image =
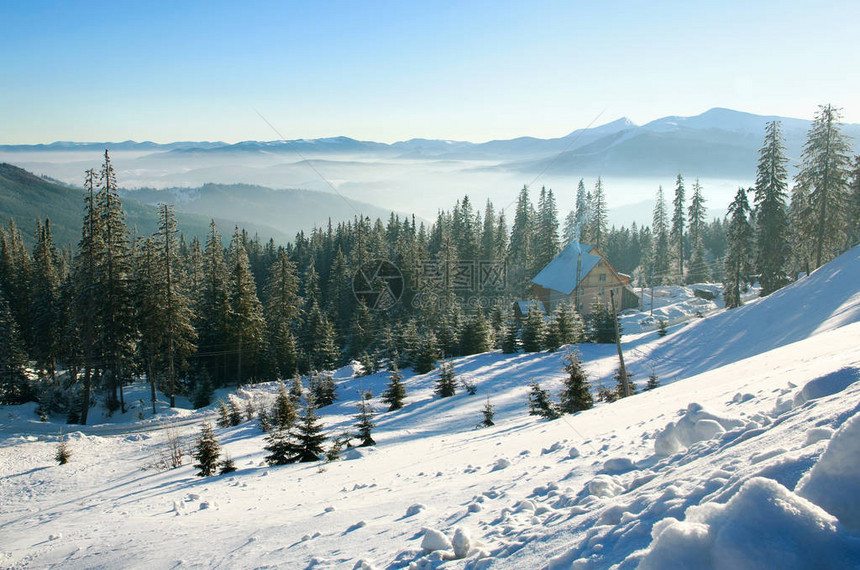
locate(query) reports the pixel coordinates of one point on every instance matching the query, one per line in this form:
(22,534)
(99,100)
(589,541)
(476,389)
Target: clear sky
(387,71)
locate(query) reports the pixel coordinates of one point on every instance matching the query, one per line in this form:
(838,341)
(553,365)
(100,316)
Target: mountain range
(720,147)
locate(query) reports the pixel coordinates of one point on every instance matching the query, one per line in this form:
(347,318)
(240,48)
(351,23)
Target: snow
(834,482)
(746,456)
(560,274)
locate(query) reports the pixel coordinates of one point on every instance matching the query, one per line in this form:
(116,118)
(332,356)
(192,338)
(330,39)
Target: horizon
(387,72)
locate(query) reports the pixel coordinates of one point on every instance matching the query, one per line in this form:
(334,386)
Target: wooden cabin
(581,276)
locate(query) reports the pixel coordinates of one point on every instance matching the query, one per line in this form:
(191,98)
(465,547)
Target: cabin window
(602,278)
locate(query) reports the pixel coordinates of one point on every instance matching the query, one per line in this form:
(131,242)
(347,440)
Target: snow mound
(697,425)
(413,510)
(827,385)
(834,482)
(435,540)
(817,434)
(763,526)
(462,542)
(604,486)
(618,465)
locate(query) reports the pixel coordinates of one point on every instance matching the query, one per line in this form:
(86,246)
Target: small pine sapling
(446,385)
(395,392)
(206,452)
(619,383)
(364,422)
(63,453)
(235,413)
(470,387)
(250,412)
(296,390)
(653,381)
(540,404)
(604,394)
(489,412)
(223,415)
(661,328)
(227,465)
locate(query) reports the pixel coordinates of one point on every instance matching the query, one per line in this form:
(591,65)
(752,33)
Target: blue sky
(387,71)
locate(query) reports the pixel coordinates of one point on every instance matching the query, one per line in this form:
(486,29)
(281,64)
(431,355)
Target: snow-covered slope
(748,460)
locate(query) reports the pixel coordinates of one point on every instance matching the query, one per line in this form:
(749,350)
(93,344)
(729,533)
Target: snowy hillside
(747,457)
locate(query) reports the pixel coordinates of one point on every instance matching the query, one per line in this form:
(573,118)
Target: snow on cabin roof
(560,274)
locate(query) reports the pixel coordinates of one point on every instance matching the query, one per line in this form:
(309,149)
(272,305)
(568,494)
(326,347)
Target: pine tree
(540,404)
(395,391)
(677,232)
(280,447)
(446,385)
(599,216)
(427,355)
(510,339)
(489,413)
(660,270)
(281,311)
(177,338)
(601,324)
(566,327)
(771,221)
(227,465)
(619,383)
(582,212)
(576,394)
(320,347)
(44,299)
(823,181)
(223,414)
(653,381)
(738,257)
(546,234)
(533,331)
(322,389)
(521,249)
(283,415)
(14,387)
(854,206)
(364,422)
(214,312)
(114,282)
(307,436)
(247,325)
(476,335)
(661,328)
(696,215)
(235,413)
(206,452)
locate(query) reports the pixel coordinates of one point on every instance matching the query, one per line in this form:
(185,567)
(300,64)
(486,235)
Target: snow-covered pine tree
(395,392)
(364,422)
(771,212)
(446,385)
(576,393)
(296,390)
(738,257)
(223,414)
(598,222)
(206,452)
(566,327)
(661,328)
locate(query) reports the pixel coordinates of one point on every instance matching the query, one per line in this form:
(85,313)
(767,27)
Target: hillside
(269,213)
(750,464)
